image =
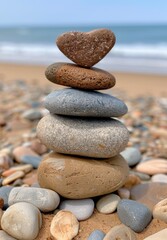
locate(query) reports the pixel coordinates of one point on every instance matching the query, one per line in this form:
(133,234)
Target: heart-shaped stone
(86,49)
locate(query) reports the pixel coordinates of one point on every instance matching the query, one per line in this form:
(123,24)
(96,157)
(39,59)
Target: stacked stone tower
(82,129)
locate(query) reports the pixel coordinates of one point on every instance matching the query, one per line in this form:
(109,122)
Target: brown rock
(86,49)
(64,226)
(5,161)
(78,177)
(25,168)
(1,203)
(83,78)
(160,209)
(131,181)
(120,232)
(149,193)
(153,166)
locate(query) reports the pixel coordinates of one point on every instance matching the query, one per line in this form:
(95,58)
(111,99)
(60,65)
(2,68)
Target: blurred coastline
(138,49)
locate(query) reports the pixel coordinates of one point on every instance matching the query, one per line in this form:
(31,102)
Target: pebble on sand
(96,235)
(44,199)
(82,209)
(64,226)
(22,221)
(160,210)
(108,203)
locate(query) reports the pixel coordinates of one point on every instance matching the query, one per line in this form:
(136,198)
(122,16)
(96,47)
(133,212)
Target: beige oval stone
(77,177)
(13,177)
(88,137)
(161,235)
(160,210)
(25,168)
(107,204)
(153,166)
(64,226)
(77,77)
(120,232)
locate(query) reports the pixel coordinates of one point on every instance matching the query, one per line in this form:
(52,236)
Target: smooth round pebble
(33,160)
(5,236)
(86,48)
(123,193)
(149,193)
(96,235)
(73,102)
(108,203)
(21,151)
(89,137)
(132,155)
(64,226)
(159,178)
(134,215)
(120,232)
(161,235)
(82,209)
(22,221)
(77,177)
(32,114)
(44,199)
(72,75)
(4,194)
(153,166)
(160,210)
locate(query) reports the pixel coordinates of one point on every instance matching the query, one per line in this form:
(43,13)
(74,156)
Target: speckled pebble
(96,235)
(22,221)
(120,232)
(134,215)
(132,155)
(73,102)
(108,203)
(90,137)
(82,209)
(64,226)
(86,48)
(44,199)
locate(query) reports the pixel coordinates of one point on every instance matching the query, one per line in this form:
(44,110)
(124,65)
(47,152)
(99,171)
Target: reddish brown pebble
(77,77)
(131,181)
(18,152)
(1,203)
(86,49)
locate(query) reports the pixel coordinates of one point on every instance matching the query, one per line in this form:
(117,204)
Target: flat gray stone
(30,159)
(134,215)
(90,137)
(82,209)
(131,155)
(32,114)
(73,102)
(96,235)
(44,199)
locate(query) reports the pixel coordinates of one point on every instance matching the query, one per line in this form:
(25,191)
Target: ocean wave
(136,56)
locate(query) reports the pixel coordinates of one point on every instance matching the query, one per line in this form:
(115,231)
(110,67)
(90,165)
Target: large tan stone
(88,137)
(76,177)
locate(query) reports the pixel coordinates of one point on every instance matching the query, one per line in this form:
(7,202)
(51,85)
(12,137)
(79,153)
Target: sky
(82,12)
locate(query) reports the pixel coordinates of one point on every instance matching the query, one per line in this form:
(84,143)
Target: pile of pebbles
(140,197)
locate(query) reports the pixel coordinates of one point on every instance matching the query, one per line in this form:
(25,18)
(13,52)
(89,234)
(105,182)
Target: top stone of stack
(86,49)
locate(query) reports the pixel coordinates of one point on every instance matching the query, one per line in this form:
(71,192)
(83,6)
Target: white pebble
(108,203)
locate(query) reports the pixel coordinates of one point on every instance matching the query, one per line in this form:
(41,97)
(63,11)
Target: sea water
(138,48)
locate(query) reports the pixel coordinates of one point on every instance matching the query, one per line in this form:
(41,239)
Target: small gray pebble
(96,235)
(132,156)
(32,114)
(134,215)
(4,193)
(30,159)
(142,176)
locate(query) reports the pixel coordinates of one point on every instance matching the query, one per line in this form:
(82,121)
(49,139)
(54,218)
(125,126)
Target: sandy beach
(132,84)
(129,85)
